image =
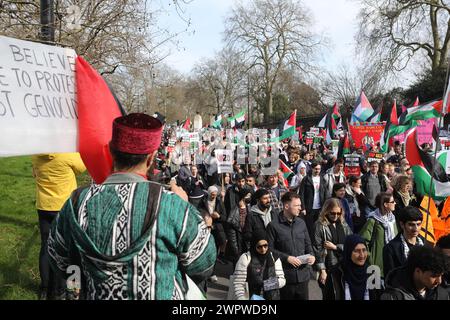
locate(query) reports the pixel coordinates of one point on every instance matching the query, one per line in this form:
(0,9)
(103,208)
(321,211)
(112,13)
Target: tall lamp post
(47,21)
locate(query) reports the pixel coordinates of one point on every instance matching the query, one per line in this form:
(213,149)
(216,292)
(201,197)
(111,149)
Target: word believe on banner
(37,98)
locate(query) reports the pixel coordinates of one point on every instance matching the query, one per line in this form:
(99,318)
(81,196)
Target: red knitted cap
(136,133)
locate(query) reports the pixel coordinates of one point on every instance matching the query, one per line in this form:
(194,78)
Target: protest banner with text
(38,111)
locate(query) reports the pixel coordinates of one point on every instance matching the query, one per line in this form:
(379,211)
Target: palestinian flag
(435,142)
(344,146)
(376,116)
(186,124)
(217,122)
(393,128)
(330,127)
(424,172)
(363,109)
(238,120)
(287,128)
(429,217)
(323,121)
(287,172)
(423,112)
(335,113)
(97,108)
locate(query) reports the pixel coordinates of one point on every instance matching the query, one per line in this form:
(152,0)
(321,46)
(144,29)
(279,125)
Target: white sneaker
(213,278)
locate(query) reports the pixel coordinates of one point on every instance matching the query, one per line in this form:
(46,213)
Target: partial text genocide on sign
(37,98)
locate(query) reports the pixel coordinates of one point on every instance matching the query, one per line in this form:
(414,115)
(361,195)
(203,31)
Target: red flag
(416,103)
(97,108)
(394,117)
(300,133)
(412,151)
(187,124)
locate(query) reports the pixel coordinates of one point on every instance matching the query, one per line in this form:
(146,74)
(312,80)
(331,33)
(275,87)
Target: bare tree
(222,78)
(272,34)
(345,85)
(111,33)
(393,32)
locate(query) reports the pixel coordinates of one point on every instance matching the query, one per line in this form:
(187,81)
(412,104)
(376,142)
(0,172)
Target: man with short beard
(260,215)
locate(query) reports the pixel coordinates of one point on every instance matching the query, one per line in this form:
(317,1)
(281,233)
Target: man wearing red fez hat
(131,238)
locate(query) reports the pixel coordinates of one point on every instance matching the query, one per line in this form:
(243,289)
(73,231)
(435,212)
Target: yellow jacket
(55,178)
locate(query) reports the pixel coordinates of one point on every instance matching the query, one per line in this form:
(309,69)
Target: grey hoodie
(266,217)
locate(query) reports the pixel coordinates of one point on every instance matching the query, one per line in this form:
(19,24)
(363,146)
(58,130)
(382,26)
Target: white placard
(225,160)
(335,144)
(37,98)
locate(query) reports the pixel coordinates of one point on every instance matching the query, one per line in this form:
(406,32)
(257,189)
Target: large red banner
(367,134)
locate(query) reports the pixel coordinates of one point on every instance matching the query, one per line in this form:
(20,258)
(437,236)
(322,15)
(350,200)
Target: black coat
(290,239)
(231,198)
(306,192)
(254,222)
(393,254)
(335,286)
(363,204)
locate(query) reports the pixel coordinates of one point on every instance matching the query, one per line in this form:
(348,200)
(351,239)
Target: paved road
(219,290)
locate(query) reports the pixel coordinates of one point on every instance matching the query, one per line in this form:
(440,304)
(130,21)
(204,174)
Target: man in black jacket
(396,251)
(311,191)
(420,278)
(259,217)
(289,239)
(232,194)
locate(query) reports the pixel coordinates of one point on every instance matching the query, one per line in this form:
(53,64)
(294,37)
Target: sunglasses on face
(334,213)
(262,246)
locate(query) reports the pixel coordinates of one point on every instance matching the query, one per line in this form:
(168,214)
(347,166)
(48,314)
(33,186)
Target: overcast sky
(335,18)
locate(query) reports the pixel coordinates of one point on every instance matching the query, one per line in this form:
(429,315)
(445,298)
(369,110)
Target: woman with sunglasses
(262,270)
(380,228)
(329,235)
(348,281)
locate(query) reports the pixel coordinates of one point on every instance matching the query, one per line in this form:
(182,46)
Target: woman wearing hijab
(380,228)
(261,269)
(349,280)
(212,206)
(329,235)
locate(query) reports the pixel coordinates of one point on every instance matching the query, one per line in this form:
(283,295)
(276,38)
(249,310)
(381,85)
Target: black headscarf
(261,262)
(356,276)
(259,235)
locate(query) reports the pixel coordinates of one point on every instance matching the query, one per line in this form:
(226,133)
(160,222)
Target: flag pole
(435,150)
